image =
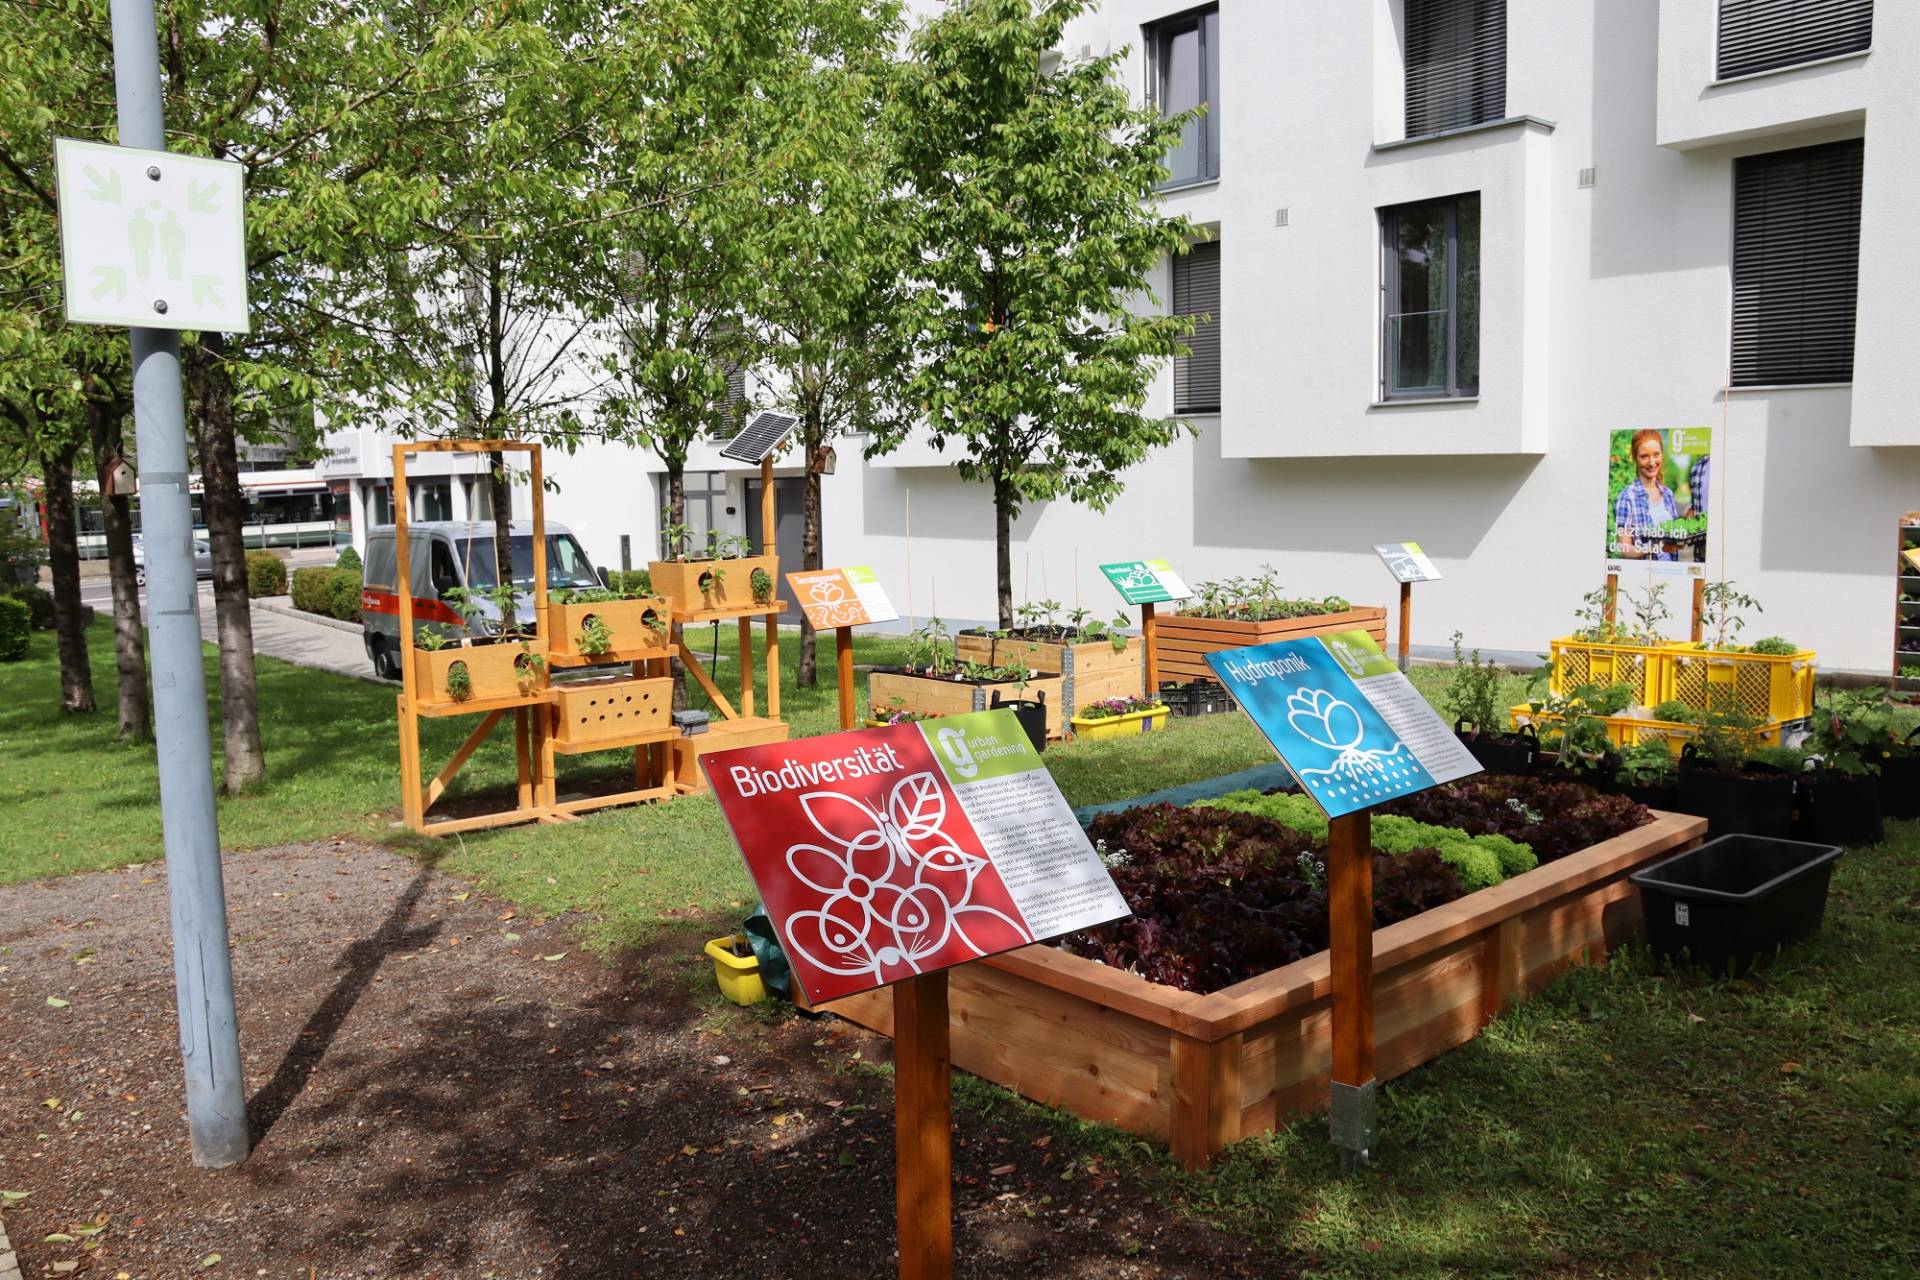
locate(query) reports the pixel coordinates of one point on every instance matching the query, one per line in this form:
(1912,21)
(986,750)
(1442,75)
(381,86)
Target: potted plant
(1647,773)
(1472,699)
(1769,680)
(508,661)
(600,623)
(1737,785)
(1841,803)
(1575,730)
(719,577)
(1119,717)
(736,969)
(1235,612)
(898,714)
(935,682)
(1899,761)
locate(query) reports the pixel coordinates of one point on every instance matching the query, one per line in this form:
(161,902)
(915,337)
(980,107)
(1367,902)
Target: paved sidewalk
(325,643)
(9,1265)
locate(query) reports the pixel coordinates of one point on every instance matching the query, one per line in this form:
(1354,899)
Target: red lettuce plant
(1555,818)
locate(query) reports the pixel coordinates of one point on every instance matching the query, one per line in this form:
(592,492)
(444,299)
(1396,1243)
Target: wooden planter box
(954,697)
(689,585)
(1181,644)
(617,708)
(490,669)
(1199,1072)
(626,619)
(1089,672)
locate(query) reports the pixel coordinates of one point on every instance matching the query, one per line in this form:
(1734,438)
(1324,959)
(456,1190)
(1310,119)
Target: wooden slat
(438,787)
(482,706)
(843,675)
(922,1120)
(705,681)
(746,667)
(1350,955)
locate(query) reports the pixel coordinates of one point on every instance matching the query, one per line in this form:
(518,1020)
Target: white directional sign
(150,238)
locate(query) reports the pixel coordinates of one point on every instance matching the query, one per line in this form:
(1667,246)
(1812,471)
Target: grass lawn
(1622,1123)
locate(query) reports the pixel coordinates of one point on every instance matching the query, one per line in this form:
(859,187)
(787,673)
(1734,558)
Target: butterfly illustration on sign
(1322,719)
(899,894)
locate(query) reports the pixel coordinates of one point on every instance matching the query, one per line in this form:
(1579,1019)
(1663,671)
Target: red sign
(883,853)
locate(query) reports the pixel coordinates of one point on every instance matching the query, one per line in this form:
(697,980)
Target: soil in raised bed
(443,1086)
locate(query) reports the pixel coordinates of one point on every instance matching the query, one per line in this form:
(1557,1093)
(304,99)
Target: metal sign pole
(202,970)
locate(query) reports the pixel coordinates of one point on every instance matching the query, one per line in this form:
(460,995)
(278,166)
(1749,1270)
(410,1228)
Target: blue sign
(1347,724)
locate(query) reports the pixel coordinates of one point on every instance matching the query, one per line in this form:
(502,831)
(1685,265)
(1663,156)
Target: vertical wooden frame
(1350,911)
(843,673)
(1150,655)
(1406,626)
(922,1125)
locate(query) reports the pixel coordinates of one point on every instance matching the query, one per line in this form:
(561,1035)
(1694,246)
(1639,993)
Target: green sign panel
(1146,581)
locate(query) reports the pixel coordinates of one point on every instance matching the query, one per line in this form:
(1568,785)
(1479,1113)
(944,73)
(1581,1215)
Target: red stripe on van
(423,610)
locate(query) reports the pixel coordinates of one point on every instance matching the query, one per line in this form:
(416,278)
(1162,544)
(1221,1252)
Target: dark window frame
(1794,265)
(1154,37)
(1754,37)
(1209,353)
(1390,309)
(1481,83)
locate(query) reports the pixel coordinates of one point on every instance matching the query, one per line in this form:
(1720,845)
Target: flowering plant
(1108,708)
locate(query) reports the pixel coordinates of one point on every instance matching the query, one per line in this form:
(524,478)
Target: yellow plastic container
(738,976)
(1578,662)
(1126,726)
(1627,731)
(1761,686)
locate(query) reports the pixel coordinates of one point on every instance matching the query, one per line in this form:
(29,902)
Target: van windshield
(567,564)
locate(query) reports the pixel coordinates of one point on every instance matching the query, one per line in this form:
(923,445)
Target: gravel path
(441,1088)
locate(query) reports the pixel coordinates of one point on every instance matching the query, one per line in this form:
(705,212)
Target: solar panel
(760,438)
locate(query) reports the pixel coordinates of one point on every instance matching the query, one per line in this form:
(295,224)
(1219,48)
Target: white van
(446,554)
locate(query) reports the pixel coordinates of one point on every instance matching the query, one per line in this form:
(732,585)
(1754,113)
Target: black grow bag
(1511,753)
(1900,781)
(1838,808)
(1753,802)
(1662,795)
(1734,901)
(1030,712)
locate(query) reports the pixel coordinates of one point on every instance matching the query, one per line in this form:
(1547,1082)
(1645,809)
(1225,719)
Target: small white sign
(1406,562)
(150,239)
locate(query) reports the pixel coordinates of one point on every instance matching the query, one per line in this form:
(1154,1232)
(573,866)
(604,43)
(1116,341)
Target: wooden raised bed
(689,586)
(492,671)
(954,697)
(1089,672)
(1199,1072)
(1181,643)
(626,621)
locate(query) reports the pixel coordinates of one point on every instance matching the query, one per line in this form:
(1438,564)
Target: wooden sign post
(838,600)
(1354,733)
(923,1127)
(1408,564)
(1147,583)
(958,826)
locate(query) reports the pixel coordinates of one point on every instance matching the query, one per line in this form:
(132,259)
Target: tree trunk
(210,391)
(676,514)
(500,495)
(810,440)
(63,553)
(129,642)
(1003,548)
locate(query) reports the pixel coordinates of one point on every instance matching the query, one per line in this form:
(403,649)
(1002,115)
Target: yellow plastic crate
(1628,731)
(1578,662)
(1761,686)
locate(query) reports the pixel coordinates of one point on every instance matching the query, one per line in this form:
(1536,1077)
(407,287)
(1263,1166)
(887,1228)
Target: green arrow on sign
(114,278)
(201,196)
(106,187)
(206,289)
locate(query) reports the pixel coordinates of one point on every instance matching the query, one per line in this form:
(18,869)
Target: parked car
(202,559)
(446,554)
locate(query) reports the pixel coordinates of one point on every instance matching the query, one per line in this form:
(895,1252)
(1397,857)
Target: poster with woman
(1659,491)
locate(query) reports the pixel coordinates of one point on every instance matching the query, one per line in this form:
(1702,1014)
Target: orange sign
(841,597)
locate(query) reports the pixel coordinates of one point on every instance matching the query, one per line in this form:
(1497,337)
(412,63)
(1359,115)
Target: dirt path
(438,1090)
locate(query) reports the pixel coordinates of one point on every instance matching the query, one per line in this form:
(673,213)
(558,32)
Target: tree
(1030,196)
(835,247)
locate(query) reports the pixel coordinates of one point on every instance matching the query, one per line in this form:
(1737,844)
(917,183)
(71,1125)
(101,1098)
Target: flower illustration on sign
(897,890)
(833,605)
(1322,719)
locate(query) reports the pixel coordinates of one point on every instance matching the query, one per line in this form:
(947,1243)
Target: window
(1760,35)
(1796,264)
(1431,289)
(1183,72)
(1196,292)
(1456,64)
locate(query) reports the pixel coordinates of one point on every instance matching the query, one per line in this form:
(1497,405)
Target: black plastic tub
(1734,901)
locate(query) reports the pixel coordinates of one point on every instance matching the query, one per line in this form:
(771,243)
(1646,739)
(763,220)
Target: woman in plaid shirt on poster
(1645,504)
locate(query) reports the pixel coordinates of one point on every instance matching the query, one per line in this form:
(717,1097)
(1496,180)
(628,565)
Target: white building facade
(1562,183)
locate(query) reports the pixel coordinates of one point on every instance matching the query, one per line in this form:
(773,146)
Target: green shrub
(39,602)
(1480,860)
(16,629)
(343,595)
(266,575)
(630,582)
(349,559)
(312,588)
